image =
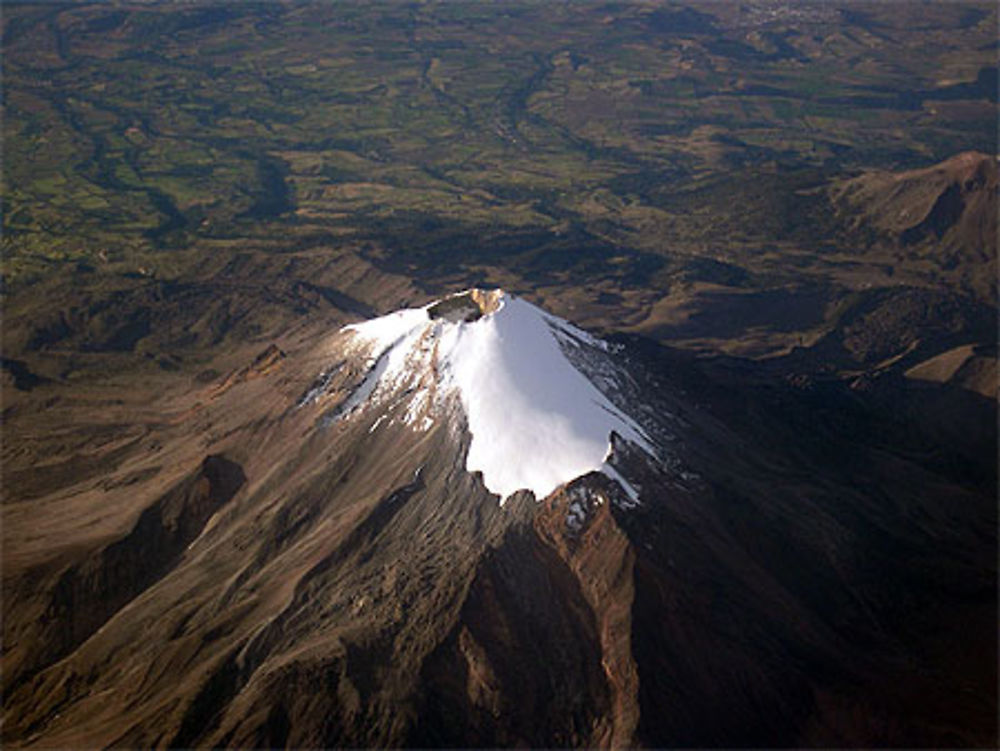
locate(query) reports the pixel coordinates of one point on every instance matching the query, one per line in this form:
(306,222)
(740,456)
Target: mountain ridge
(371,563)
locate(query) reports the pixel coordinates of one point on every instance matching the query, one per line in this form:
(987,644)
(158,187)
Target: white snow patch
(387,330)
(536,420)
(631,492)
(367,387)
(576,517)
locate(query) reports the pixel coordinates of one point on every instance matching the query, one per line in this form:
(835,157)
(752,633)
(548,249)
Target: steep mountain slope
(945,214)
(536,420)
(338,548)
(951,198)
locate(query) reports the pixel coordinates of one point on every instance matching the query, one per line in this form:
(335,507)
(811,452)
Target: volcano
(474,524)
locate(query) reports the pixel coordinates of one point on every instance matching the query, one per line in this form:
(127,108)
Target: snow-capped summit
(533,388)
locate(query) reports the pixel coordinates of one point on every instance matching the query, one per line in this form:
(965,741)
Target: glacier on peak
(536,420)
